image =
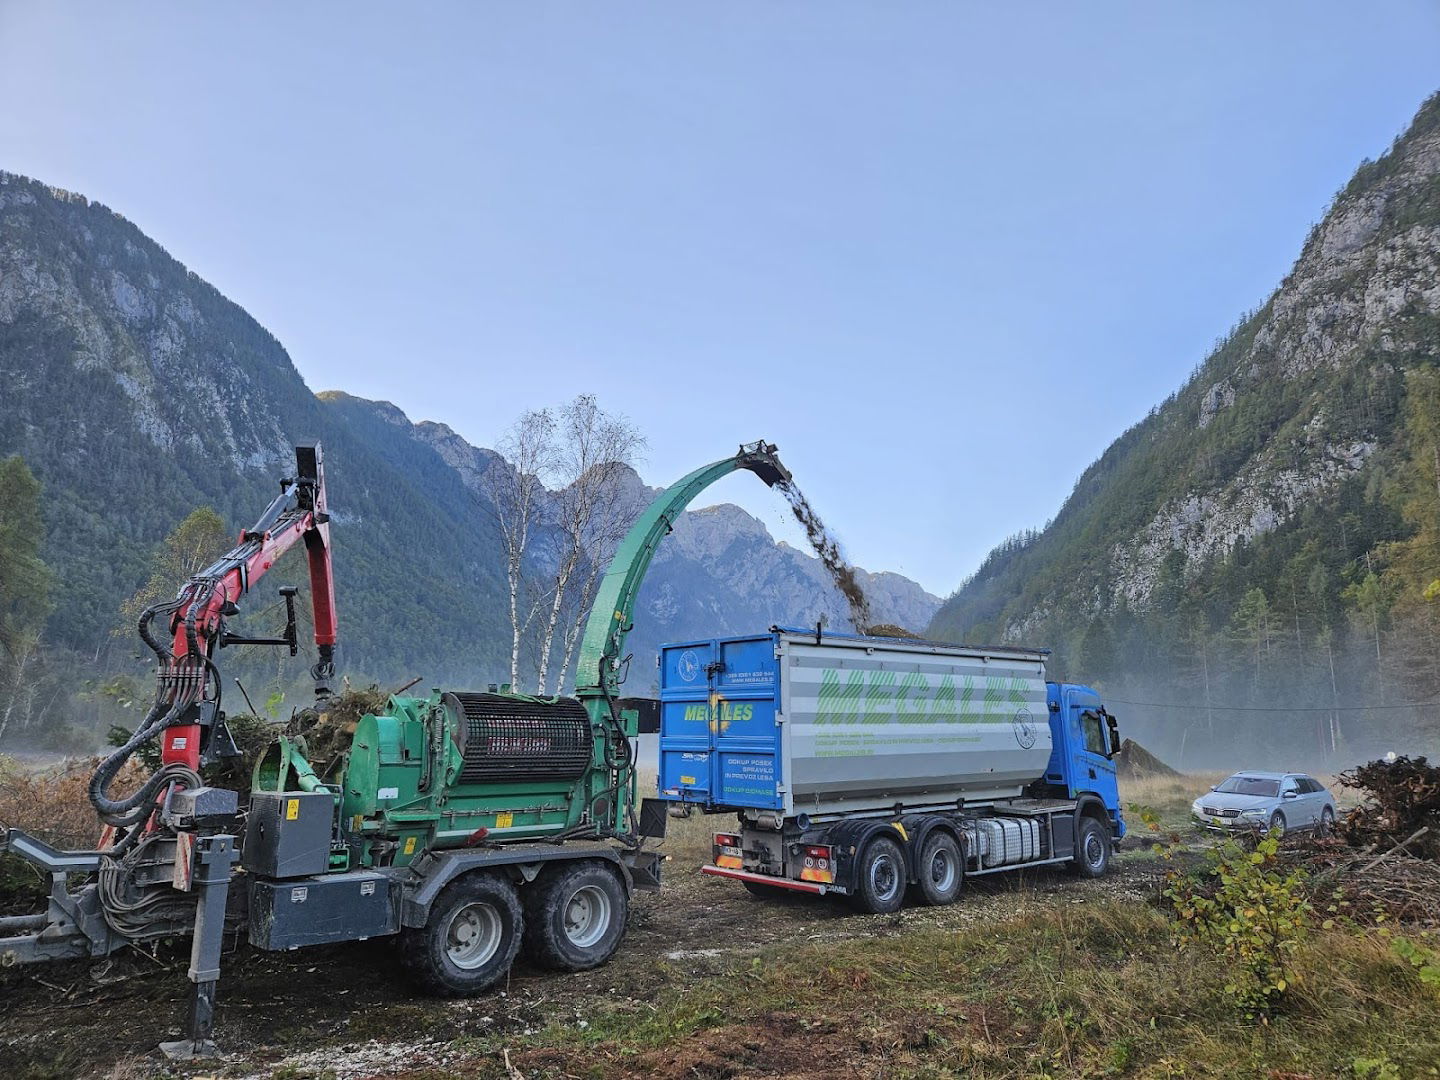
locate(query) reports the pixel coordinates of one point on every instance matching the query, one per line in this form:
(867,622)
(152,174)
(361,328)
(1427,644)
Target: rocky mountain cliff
(135,392)
(1267,515)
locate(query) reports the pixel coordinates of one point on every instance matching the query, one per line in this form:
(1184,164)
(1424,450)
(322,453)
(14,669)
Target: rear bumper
(766,879)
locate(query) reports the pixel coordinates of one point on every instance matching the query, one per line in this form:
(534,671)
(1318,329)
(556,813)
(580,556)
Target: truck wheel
(880,884)
(1092,849)
(470,939)
(941,871)
(575,917)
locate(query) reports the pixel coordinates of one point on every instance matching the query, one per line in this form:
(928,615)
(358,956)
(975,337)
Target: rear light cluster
(727,850)
(818,865)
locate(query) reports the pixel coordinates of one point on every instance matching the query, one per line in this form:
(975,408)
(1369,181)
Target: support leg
(214,857)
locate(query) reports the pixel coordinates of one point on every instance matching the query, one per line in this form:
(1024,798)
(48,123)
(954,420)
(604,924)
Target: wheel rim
(1327,820)
(1277,824)
(587,915)
(1094,849)
(884,877)
(473,936)
(942,870)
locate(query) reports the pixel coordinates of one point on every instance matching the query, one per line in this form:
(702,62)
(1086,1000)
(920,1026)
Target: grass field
(1029,975)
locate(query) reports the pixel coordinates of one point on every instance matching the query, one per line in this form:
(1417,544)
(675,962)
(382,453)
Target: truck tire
(1092,849)
(575,916)
(941,870)
(470,939)
(880,877)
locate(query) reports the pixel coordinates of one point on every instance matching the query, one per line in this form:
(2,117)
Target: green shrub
(1251,913)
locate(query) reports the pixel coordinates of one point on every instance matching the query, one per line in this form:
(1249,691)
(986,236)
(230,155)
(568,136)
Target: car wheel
(941,871)
(1327,822)
(1277,823)
(1092,849)
(881,887)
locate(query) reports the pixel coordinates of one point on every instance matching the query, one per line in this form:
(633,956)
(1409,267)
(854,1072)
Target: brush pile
(1401,798)
(1384,861)
(326,729)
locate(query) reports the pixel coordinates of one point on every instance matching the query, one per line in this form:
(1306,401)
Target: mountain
(136,392)
(1266,535)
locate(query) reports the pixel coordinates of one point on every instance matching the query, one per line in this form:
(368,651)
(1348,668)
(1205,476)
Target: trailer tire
(880,877)
(576,916)
(469,940)
(940,872)
(1092,848)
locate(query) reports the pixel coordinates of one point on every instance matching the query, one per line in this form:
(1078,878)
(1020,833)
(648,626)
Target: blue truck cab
(1084,741)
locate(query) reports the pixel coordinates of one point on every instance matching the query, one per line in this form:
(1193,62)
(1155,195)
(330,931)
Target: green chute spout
(611,617)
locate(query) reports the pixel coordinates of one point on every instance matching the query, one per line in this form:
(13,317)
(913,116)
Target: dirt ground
(349,1012)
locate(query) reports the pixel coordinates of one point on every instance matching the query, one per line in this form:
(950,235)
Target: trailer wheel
(576,916)
(470,939)
(1092,849)
(941,871)
(880,877)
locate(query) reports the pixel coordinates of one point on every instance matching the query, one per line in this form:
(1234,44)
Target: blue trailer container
(932,759)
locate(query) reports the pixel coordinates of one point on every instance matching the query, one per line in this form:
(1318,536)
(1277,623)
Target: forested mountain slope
(1266,536)
(136,392)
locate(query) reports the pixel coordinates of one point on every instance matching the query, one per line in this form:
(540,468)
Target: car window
(1094,732)
(1308,786)
(1250,785)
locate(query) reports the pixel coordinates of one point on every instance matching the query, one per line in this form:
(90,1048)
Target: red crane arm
(197,622)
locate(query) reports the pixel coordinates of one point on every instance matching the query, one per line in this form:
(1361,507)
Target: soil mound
(1134,762)
(889,630)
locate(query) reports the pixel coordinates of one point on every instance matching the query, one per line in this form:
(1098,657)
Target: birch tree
(593,448)
(518,495)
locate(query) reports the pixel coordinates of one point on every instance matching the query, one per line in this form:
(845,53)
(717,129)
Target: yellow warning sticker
(409,845)
(292,809)
(504,820)
(687,780)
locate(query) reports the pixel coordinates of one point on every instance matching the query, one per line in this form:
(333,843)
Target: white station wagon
(1266,800)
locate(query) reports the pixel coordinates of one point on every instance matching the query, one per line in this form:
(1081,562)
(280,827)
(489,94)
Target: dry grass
(52,803)
(1070,991)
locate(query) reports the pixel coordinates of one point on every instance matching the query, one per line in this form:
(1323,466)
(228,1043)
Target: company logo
(1024,727)
(688,665)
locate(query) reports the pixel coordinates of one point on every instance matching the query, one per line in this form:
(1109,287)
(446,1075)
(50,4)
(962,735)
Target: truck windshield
(1250,785)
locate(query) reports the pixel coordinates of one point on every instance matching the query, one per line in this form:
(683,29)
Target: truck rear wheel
(470,939)
(880,877)
(1092,849)
(941,871)
(575,916)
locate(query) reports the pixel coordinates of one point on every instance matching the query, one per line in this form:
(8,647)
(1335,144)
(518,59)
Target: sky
(941,253)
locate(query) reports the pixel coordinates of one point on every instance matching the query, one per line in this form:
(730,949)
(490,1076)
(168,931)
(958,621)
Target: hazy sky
(942,253)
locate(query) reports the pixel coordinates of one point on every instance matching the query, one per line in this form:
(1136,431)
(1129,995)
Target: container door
(745,763)
(684,764)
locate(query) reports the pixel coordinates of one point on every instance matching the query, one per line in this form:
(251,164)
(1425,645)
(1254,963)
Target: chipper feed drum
(504,738)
